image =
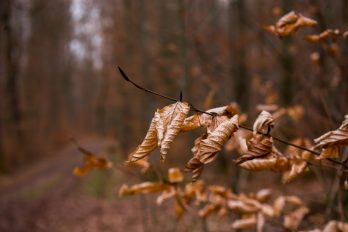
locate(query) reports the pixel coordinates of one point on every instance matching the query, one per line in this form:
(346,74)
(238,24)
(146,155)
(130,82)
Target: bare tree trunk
(237,20)
(185,81)
(287,63)
(12,114)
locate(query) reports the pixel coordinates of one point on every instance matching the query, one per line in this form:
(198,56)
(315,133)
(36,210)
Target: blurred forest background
(59,78)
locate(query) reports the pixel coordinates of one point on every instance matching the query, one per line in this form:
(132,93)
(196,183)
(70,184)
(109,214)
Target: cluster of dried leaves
(90,162)
(252,210)
(291,22)
(221,125)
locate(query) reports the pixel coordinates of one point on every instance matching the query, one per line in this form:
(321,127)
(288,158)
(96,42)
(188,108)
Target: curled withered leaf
(144,164)
(219,190)
(259,146)
(259,164)
(329,152)
(336,226)
(213,143)
(142,188)
(195,166)
(296,160)
(245,223)
(91,161)
(260,222)
(278,205)
(280,202)
(243,207)
(263,195)
(228,110)
(294,200)
(293,219)
(164,127)
(289,24)
(149,143)
(172,117)
(165,195)
(263,124)
(191,123)
(239,141)
(197,190)
(298,166)
(324,36)
(175,175)
(332,138)
(207,210)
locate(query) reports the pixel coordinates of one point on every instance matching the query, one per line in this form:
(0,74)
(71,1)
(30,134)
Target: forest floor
(47,197)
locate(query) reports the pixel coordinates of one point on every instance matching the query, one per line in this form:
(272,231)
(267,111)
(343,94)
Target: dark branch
(142,88)
(126,78)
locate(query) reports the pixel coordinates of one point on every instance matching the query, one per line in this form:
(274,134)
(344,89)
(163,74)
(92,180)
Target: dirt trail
(47,197)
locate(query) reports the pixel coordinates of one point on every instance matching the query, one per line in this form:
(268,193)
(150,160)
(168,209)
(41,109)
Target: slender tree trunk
(185,81)
(12,113)
(237,20)
(287,63)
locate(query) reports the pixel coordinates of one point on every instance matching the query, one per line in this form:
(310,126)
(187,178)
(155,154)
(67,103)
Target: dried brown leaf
(263,195)
(336,226)
(298,166)
(209,147)
(144,164)
(172,117)
(329,152)
(289,24)
(293,219)
(244,223)
(195,166)
(143,188)
(333,138)
(263,124)
(165,195)
(149,143)
(324,36)
(259,146)
(259,164)
(260,222)
(243,207)
(279,205)
(207,210)
(191,123)
(175,175)
(164,127)
(91,161)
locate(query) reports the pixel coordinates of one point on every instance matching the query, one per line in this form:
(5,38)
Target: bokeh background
(59,80)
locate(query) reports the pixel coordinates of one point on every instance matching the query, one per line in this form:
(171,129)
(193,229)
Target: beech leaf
(289,24)
(91,161)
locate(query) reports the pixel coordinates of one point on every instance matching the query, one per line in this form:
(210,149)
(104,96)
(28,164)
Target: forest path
(47,197)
